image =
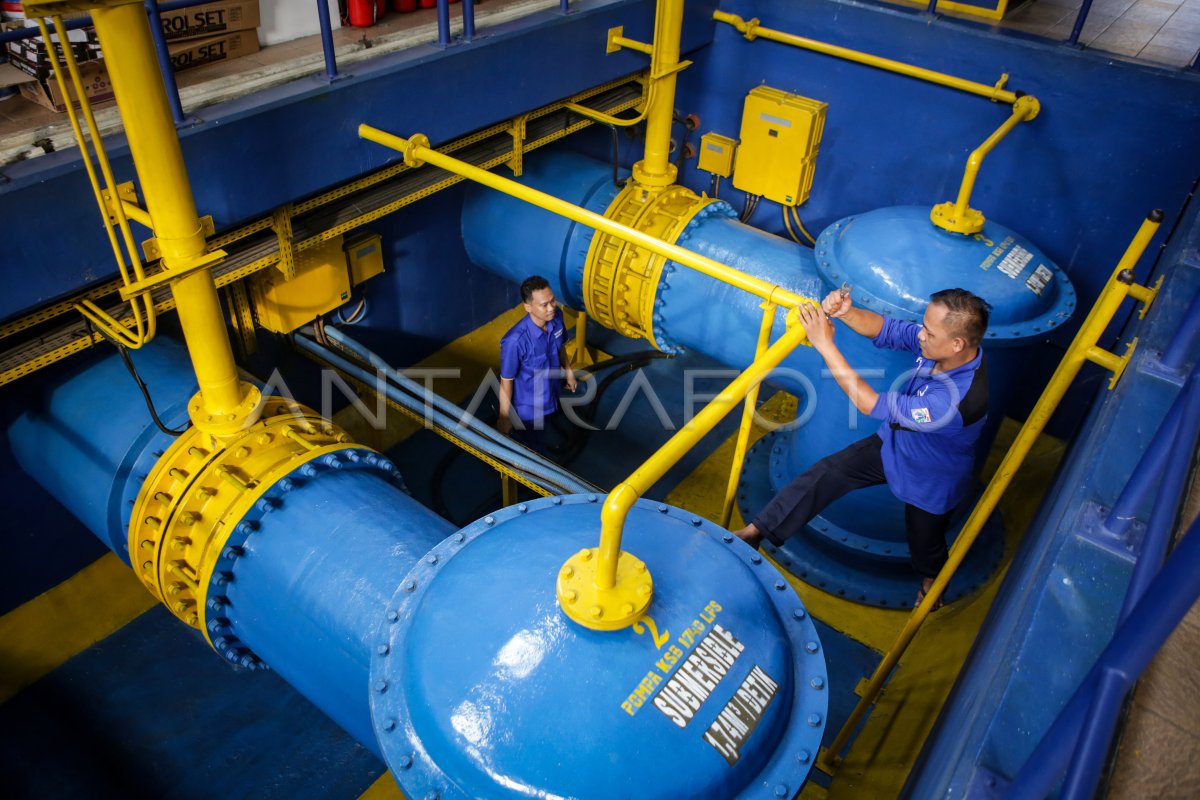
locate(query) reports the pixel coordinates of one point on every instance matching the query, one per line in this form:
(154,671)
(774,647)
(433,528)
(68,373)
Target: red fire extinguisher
(362,13)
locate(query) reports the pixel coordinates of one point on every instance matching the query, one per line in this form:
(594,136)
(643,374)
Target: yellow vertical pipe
(1021,111)
(1111,297)
(621,499)
(124,33)
(655,169)
(739,450)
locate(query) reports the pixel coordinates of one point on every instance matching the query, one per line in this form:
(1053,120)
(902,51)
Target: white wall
(284,20)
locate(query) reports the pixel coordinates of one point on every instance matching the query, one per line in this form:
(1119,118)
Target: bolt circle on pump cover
(481,686)
(204,487)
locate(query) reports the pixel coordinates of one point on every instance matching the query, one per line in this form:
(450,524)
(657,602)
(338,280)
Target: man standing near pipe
(532,360)
(925,450)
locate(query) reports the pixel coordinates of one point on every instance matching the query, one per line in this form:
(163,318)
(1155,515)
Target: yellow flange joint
(620,280)
(648,181)
(229,421)
(604,609)
(410,149)
(200,490)
(945,217)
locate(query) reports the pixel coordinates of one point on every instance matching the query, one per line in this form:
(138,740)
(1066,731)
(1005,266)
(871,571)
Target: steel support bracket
(517,130)
(177,271)
(1145,295)
(151,250)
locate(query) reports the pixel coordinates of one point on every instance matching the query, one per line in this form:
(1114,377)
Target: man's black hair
(534,283)
(968,313)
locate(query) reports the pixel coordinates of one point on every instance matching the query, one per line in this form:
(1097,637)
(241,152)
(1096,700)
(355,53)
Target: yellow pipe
(621,499)
(144,329)
(1111,297)
(739,450)
(963,218)
(417,151)
(751,30)
(655,170)
(137,213)
(124,33)
(632,44)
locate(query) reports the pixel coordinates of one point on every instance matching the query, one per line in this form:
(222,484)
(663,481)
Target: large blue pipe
(307,594)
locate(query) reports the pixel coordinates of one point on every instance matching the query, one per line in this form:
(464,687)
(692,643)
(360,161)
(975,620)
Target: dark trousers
(856,467)
(534,434)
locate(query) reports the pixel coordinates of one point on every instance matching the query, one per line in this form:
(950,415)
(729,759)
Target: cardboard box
(95,84)
(210,19)
(197,52)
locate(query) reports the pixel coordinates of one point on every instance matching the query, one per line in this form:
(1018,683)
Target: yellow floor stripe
(880,759)
(53,627)
(383,789)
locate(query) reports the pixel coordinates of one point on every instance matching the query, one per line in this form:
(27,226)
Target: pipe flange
(201,488)
(620,279)
(221,572)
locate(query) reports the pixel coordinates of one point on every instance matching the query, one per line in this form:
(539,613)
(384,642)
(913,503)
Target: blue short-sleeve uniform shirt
(529,357)
(931,425)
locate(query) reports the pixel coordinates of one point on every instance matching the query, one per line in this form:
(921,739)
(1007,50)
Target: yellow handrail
(752,30)
(743,440)
(416,151)
(1083,348)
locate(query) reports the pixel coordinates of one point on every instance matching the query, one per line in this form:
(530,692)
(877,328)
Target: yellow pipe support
(655,170)
(225,403)
(752,30)
(959,217)
(1110,299)
(606,589)
(137,213)
(743,440)
(417,151)
(630,44)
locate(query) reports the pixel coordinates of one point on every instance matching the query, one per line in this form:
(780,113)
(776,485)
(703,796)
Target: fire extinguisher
(361,13)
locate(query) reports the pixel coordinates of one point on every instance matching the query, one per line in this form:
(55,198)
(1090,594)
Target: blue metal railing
(1155,602)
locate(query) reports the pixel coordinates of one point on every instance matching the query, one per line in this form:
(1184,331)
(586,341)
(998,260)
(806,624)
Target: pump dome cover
(482,687)
(895,258)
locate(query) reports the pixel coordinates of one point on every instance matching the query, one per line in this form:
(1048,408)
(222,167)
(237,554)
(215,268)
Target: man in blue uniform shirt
(925,450)
(532,364)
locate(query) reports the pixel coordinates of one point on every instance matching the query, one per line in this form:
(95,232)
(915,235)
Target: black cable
(616,157)
(577,437)
(146,393)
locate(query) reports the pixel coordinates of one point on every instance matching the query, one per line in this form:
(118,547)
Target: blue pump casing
(482,687)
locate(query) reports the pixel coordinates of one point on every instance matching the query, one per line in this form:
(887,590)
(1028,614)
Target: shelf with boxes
(195,36)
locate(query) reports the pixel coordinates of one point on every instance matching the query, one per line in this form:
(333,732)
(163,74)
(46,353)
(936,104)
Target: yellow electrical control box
(716,154)
(321,284)
(364,254)
(778,151)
